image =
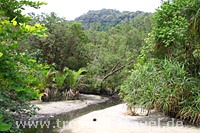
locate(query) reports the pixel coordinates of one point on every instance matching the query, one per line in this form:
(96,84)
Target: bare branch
(116,70)
(115,66)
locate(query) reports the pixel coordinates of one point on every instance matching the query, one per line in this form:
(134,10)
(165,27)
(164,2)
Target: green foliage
(166,86)
(17,83)
(73,77)
(166,75)
(107,18)
(64,45)
(12,60)
(1,54)
(14,108)
(176,32)
(60,78)
(114,49)
(68,45)
(14,8)
(3,126)
(64,80)
(56,84)
(174,28)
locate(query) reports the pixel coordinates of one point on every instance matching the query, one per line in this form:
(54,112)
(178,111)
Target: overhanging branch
(114,69)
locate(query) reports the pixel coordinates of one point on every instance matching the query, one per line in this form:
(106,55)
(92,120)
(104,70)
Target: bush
(166,86)
(17,84)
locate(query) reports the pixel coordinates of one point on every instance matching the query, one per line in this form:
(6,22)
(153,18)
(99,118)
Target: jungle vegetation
(149,59)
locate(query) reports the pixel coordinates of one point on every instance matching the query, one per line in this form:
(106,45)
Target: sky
(70,9)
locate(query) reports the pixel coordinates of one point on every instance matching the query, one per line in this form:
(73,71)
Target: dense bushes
(17,82)
(176,33)
(166,86)
(166,76)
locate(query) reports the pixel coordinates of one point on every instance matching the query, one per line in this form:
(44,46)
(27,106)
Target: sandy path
(114,120)
(63,107)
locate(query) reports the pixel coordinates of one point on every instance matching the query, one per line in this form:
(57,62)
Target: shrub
(166,86)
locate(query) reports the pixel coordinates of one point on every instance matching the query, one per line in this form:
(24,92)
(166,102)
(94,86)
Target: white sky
(70,9)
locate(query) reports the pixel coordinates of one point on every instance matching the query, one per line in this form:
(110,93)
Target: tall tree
(64,44)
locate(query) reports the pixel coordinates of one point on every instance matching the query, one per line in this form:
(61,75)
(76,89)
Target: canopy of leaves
(14,8)
(107,18)
(64,45)
(114,51)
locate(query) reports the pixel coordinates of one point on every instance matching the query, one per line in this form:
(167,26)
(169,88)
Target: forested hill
(107,17)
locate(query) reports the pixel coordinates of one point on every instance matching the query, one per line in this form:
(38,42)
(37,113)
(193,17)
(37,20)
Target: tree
(14,8)
(176,33)
(113,51)
(63,46)
(15,88)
